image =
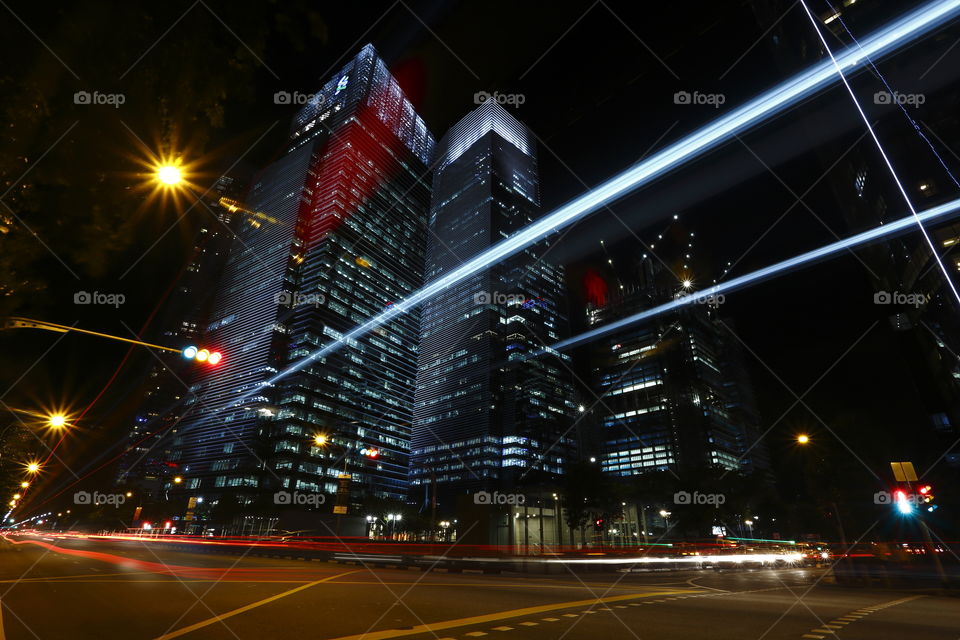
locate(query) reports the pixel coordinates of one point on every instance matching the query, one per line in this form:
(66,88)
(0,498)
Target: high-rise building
(486,415)
(674,391)
(333,232)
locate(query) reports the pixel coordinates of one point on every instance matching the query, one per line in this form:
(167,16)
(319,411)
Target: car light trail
(883,153)
(946,209)
(900,32)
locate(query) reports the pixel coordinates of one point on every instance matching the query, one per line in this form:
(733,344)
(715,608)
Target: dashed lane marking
(859,614)
(443,625)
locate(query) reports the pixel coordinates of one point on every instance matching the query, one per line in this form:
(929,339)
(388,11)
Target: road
(51,589)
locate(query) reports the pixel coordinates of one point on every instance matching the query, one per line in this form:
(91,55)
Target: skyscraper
(674,391)
(485,415)
(333,232)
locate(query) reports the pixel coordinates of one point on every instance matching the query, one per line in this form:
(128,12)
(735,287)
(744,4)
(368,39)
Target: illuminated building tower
(333,232)
(675,393)
(485,417)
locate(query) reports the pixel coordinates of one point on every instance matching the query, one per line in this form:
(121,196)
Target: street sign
(903,471)
(340,509)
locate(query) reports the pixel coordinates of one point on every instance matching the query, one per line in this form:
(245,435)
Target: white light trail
(913,25)
(883,153)
(782,267)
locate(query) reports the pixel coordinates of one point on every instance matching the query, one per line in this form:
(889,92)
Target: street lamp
(803,439)
(169,175)
(33,467)
(320,440)
(57,421)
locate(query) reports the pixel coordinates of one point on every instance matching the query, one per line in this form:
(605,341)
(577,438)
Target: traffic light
(202,355)
(926,492)
(599,523)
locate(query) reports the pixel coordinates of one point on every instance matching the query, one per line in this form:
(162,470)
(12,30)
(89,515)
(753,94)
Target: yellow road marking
(252,605)
(496,617)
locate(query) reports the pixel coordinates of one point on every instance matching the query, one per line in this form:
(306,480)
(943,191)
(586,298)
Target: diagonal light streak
(782,267)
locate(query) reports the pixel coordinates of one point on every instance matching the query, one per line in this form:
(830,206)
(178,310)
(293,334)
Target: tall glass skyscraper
(333,233)
(485,415)
(675,391)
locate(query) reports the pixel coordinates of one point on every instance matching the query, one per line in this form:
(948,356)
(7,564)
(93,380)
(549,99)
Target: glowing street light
(57,421)
(169,175)
(687,284)
(24,484)
(177,480)
(320,440)
(33,467)
(803,438)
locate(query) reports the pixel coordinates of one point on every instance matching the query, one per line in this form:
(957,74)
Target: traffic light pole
(928,542)
(29,323)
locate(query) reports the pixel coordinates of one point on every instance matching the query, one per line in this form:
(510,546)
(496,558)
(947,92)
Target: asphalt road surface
(52,589)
